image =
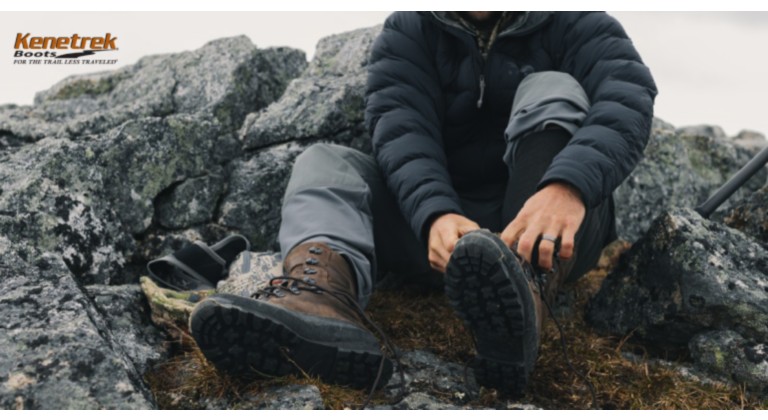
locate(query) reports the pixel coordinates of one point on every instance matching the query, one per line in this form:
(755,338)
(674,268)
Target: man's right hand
(443,235)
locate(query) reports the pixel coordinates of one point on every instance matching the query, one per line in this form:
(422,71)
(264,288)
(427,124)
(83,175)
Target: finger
(567,242)
(464,229)
(527,241)
(436,261)
(449,243)
(512,233)
(546,251)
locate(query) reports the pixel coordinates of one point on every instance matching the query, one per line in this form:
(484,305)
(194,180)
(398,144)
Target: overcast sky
(710,67)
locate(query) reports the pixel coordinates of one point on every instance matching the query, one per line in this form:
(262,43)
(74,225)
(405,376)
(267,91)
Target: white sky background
(710,67)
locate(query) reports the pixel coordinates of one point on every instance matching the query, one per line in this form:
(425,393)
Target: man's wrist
(566,186)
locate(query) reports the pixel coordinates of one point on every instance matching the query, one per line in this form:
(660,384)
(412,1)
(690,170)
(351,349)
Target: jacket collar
(522,24)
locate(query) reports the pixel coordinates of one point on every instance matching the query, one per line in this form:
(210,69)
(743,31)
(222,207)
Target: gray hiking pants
(338,195)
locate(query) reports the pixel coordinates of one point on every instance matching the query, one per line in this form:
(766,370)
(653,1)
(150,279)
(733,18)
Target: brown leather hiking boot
(307,320)
(497,295)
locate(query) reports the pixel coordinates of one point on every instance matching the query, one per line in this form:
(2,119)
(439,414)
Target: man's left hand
(556,211)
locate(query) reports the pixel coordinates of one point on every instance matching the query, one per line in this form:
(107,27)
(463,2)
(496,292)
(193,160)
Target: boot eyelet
(311,261)
(309,280)
(315,250)
(310,271)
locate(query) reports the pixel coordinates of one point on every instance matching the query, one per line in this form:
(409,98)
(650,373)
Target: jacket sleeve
(594,48)
(403,115)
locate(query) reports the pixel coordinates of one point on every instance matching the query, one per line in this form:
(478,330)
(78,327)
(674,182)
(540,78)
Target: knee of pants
(545,98)
(324,165)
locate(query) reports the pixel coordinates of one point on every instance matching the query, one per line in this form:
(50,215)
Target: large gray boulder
(53,199)
(729,355)
(751,140)
(679,170)
(128,318)
(253,201)
(750,215)
(702,130)
(90,175)
(58,351)
(687,276)
(325,104)
(225,79)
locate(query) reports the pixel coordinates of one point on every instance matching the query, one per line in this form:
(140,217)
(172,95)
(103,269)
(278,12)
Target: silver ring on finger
(547,237)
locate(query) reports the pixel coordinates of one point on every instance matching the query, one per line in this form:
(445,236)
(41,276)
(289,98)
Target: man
(498,139)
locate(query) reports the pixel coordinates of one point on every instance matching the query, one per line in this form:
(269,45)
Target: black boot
(499,298)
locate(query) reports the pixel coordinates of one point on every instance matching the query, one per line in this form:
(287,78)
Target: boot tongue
(333,270)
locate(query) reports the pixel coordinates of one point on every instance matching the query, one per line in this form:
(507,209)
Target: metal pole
(733,184)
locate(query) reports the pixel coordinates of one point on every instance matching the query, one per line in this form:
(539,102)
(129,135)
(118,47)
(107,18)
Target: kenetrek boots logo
(30,49)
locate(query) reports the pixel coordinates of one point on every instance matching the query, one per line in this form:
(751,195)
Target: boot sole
(488,289)
(245,337)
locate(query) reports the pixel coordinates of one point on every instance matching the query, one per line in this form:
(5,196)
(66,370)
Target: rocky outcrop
(325,104)
(99,166)
(680,169)
(750,215)
(686,278)
(728,354)
(751,140)
(225,79)
(59,351)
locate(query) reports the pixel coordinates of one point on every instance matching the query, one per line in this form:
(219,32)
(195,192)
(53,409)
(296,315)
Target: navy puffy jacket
(432,141)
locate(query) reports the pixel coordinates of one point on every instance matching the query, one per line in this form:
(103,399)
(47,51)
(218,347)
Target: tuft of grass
(418,319)
(189,381)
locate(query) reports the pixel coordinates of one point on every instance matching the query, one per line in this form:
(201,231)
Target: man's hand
(555,210)
(443,235)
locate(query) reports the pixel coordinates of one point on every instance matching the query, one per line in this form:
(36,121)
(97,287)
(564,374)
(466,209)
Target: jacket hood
(523,24)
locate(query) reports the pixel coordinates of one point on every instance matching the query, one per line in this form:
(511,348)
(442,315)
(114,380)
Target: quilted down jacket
(436,108)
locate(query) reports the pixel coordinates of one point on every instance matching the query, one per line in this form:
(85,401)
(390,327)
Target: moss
(91,87)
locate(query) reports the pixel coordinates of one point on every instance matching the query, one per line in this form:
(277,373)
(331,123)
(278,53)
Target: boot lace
(278,286)
(540,281)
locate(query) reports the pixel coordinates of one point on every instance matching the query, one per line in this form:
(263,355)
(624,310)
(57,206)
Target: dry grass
(189,381)
(422,320)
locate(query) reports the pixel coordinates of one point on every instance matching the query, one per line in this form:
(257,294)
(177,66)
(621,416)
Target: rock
(422,401)
(52,198)
(326,103)
(190,203)
(145,157)
(702,130)
(106,171)
(687,276)
(225,79)
(750,215)
(291,397)
(751,140)
(660,125)
(728,354)
(85,200)
(678,171)
(427,373)
(519,406)
(252,204)
(127,315)
(58,351)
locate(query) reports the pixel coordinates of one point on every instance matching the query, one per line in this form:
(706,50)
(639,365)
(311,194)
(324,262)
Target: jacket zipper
(506,32)
(482,91)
